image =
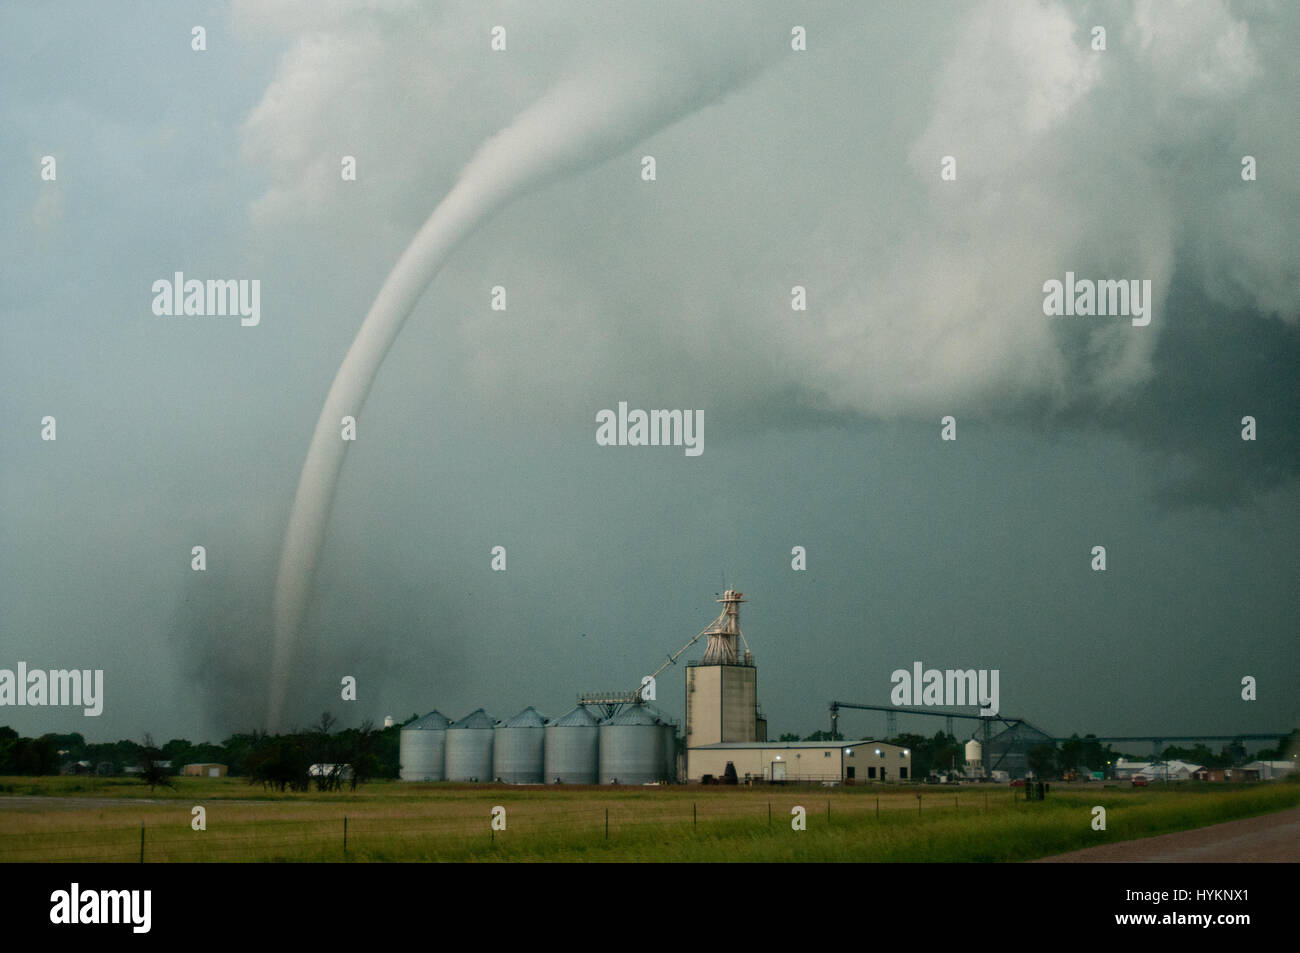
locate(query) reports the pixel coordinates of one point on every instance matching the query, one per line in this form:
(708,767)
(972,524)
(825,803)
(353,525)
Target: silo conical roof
(434,721)
(528,718)
(579,717)
(478,718)
(633,715)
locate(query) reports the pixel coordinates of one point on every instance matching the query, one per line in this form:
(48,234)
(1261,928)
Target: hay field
(100,820)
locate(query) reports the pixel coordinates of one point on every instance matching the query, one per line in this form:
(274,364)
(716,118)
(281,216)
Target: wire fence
(226,836)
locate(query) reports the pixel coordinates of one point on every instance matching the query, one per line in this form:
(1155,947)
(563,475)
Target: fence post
(918,804)
(606,823)
(345,835)
(877,807)
(142,842)
(695,820)
(769,813)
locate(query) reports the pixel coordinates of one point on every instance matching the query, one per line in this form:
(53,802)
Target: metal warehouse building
(804,761)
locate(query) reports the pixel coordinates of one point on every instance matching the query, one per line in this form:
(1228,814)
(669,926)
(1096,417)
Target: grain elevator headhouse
(722,688)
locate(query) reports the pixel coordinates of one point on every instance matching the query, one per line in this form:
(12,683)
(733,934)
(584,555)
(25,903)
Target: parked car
(1141,782)
(1018,783)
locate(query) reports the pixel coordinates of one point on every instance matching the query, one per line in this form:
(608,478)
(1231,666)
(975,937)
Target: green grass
(388,821)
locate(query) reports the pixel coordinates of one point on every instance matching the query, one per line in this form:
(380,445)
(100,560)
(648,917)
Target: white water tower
(974,758)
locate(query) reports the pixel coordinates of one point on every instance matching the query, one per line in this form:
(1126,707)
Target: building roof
(1164,768)
(1021,732)
(797,744)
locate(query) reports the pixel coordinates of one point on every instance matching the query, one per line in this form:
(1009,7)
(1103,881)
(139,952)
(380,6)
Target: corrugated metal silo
(631,747)
(420,750)
(517,748)
(668,740)
(469,748)
(572,748)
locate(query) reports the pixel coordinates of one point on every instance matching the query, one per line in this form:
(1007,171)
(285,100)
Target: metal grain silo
(668,743)
(517,748)
(572,748)
(420,751)
(469,748)
(631,747)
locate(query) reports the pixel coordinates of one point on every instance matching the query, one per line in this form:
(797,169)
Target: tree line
(349,756)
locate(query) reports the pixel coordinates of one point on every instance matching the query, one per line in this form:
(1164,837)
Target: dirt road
(1270,838)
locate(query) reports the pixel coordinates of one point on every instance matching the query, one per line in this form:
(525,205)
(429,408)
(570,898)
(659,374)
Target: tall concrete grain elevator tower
(722,687)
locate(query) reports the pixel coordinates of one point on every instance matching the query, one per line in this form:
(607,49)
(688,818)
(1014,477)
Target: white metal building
(1266,770)
(848,762)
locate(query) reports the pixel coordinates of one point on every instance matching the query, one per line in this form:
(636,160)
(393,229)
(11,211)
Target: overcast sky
(818,168)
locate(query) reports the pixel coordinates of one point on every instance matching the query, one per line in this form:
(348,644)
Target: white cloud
(926,295)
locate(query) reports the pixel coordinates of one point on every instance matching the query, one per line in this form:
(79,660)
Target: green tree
(361,747)
(239,749)
(8,748)
(824,736)
(74,745)
(1286,747)
(279,762)
(1042,760)
(1070,754)
(36,756)
(1095,754)
(152,770)
(388,751)
(178,751)
(920,755)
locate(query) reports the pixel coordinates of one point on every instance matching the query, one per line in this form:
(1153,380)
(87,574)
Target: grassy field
(100,819)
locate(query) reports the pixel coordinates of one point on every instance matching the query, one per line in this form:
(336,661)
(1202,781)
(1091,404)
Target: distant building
(1265,770)
(204,769)
(1173,770)
(722,698)
(342,771)
(1125,769)
(838,762)
(1009,749)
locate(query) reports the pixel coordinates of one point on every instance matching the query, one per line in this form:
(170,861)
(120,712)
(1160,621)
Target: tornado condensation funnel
(580,121)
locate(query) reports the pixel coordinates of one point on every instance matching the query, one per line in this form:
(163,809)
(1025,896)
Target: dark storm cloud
(925,299)
(1213,365)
